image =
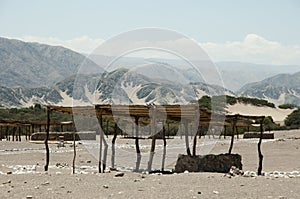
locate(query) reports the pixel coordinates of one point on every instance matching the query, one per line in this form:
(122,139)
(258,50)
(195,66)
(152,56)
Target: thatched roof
(190,113)
(30,122)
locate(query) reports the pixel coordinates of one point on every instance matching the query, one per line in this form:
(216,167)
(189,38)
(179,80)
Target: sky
(265,31)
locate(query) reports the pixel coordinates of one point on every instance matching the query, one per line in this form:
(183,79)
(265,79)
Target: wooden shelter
(28,127)
(185,114)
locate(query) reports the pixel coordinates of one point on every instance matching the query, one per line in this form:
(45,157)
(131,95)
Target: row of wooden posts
(14,131)
(102,161)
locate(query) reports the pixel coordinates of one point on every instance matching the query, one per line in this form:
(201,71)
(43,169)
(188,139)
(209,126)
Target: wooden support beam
(113,142)
(7,133)
(164,148)
(99,117)
(104,152)
(102,139)
(232,136)
(137,146)
(74,144)
(13,133)
(153,137)
(19,132)
(46,140)
(260,155)
(26,132)
(195,145)
(168,123)
(188,151)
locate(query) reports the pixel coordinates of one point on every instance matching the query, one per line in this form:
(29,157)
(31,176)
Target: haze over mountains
(37,73)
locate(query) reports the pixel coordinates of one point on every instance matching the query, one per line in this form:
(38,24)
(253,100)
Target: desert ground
(22,175)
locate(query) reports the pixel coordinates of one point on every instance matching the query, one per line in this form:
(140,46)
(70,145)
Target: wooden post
(32,131)
(104,152)
(47,138)
(153,136)
(196,130)
(237,133)
(74,144)
(164,149)
(168,123)
(26,130)
(225,131)
(99,117)
(113,150)
(260,155)
(195,145)
(232,136)
(19,131)
(138,152)
(13,133)
(102,139)
(7,133)
(185,123)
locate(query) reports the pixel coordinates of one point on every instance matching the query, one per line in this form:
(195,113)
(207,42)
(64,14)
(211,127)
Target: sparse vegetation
(293,120)
(34,113)
(255,102)
(222,101)
(287,106)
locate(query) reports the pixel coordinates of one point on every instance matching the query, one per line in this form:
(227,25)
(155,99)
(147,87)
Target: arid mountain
(32,65)
(37,73)
(120,86)
(279,89)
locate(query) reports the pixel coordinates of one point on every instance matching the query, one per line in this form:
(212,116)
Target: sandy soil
(25,160)
(277,114)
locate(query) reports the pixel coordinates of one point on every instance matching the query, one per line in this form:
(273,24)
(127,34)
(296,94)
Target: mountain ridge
(120,86)
(279,89)
(33,64)
(33,72)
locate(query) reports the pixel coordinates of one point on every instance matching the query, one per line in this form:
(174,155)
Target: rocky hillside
(32,65)
(279,89)
(120,86)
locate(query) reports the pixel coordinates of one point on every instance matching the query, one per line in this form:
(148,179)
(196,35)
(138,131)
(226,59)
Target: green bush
(287,106)
(255,102)
(221,101)
(293,119)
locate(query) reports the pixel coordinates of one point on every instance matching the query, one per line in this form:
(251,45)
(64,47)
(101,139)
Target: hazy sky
(250,31)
